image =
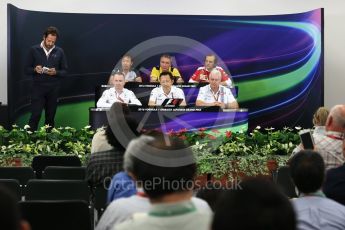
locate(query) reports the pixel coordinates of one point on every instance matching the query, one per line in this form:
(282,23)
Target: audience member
(122,185)
(100,141)
(165,66)
(256,204)
(124,208)
(10,218)
(117,93)
(126,69)
(211,194)
(202,73)
(215,94)
(330,145)
(121,129)
(319,121)
(334,186)
(313,209)
(166,90)
(165,168)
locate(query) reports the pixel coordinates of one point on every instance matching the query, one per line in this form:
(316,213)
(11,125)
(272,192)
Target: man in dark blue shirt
(46,64)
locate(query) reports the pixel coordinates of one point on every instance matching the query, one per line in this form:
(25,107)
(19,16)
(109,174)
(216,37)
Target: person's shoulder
(120,202)
(175,88)
(156,90)
(127,90)
(133,223)
(219,68)
(120,175)
(336,171)
(327,202)
(226,89)
(155,69)
(111,89)
(36,46)
(174,70)
(135,199)
(133,72)
(203,88)
(201,204)
(58,48)
(302,203)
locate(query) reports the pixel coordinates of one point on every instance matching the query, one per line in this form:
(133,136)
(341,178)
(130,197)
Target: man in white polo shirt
(214,94)
(117,93)
(166,90)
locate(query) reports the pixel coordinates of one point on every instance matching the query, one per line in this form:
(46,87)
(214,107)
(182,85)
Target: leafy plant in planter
(230,154)
(24,144)
(242,154)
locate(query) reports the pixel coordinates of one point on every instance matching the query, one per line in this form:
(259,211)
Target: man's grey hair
(117,73)
(215,72)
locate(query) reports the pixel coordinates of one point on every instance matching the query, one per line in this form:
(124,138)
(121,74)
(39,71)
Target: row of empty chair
(60,193)
(57,183)
(24,174)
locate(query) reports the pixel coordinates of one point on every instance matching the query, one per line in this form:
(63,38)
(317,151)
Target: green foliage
(239,154)
(217,153)
(24,144)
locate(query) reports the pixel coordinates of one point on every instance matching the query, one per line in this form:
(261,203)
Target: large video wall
(275,61)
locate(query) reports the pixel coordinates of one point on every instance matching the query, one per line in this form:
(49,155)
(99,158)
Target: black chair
(100,200)
(39,163)
(64,173)
(13,186)
(22,174)
(57,190)
(56,215)
(284,181)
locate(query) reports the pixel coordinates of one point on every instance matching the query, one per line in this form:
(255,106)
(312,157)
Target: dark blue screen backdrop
(275,61)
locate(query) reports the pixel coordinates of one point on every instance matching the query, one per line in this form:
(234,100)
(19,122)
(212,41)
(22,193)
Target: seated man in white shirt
(203,72)
(166,90)
(117,93)
(215,94)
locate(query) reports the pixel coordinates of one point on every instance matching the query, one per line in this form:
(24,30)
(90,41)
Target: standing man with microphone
(46,64)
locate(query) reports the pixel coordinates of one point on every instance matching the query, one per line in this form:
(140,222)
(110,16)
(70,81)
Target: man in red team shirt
(202,73)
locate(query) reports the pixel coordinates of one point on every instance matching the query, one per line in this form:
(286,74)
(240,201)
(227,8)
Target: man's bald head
(336,119)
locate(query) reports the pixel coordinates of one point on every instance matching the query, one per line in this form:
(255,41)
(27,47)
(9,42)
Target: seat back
(56,215)
(57,190)
(22,174)
(39,163)
(285,182)
(13,186)
(100,199)
(64,173)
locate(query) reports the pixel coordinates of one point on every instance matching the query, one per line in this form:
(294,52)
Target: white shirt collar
(47,52)
(214,93)
(171,90)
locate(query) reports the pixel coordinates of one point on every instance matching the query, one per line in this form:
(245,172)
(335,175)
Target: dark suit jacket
(334,186)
